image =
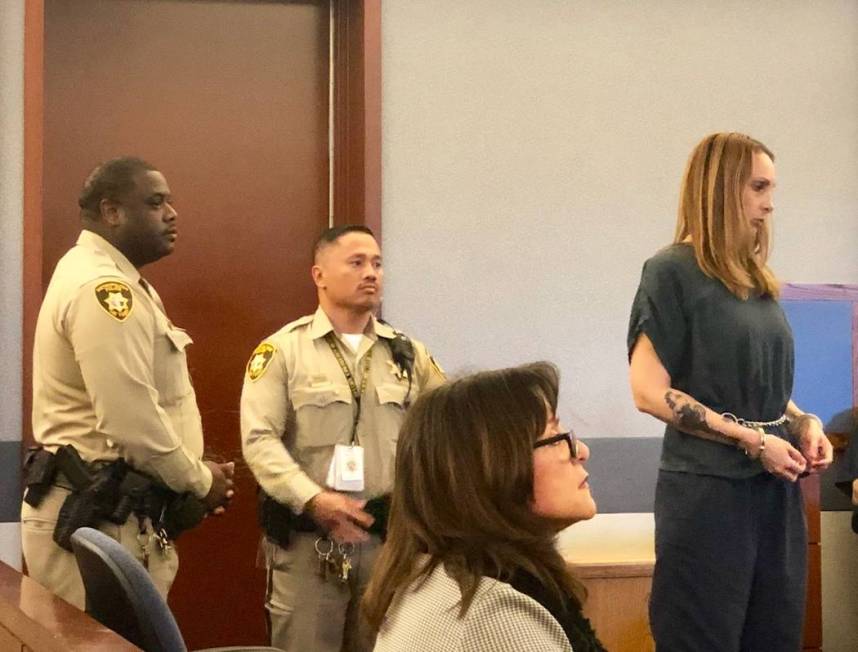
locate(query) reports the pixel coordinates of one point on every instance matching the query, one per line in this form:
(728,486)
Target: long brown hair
(464,485)
(710,212)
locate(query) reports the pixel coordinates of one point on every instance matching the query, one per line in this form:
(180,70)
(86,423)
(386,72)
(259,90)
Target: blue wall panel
(823,355)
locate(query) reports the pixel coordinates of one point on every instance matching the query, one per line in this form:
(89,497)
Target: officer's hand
(341,515)
(221,490)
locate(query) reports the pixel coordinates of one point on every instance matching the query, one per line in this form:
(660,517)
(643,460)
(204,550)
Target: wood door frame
(357,146)
(357,113)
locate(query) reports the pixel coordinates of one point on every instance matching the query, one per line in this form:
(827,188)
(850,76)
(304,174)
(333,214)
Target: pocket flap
(320,396)
(179,338)
(391,393)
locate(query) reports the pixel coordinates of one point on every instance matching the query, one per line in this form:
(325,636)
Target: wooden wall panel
(230,101)
(122,79)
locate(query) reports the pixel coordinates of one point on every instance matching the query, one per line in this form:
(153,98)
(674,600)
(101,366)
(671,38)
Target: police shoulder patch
(259,360)
(115,298)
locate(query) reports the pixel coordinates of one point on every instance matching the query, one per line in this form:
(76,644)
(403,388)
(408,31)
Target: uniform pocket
(392,394)
(391,399)
(323,414)
(44,517)
(179,338)
(172,379)
(320,396)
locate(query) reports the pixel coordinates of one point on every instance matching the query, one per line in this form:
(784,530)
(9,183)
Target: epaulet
(301,321)
(104,276)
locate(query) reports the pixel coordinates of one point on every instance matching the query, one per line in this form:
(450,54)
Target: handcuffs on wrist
(756,425)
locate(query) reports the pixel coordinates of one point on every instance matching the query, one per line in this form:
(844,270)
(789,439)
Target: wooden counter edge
(619,569)
(32,624)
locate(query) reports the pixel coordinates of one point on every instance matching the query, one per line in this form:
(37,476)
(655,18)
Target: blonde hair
(464,483)
(711,215)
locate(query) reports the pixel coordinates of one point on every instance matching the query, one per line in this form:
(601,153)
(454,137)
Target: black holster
(379,509)
(182,512)
(115,491)
(276,520)
(94,498)
(39,473)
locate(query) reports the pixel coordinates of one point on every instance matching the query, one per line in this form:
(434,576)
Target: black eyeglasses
(569,437)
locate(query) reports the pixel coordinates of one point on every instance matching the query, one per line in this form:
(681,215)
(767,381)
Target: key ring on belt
(756,425)
(322,540)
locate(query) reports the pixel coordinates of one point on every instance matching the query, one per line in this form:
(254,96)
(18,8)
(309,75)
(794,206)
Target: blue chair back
(120,594)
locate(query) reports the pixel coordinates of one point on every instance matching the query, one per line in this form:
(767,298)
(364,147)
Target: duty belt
(106,492)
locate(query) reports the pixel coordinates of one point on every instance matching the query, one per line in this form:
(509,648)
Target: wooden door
(230,101)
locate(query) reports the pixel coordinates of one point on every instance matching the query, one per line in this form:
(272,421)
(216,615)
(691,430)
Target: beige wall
(532,153)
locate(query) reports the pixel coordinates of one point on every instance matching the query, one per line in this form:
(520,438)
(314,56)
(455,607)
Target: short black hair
(334,233)
(112,179)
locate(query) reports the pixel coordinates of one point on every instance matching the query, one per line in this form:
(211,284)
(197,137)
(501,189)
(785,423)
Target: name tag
(346,470)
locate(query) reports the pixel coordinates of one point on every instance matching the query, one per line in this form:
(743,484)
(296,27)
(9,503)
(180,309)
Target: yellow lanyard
(350,379)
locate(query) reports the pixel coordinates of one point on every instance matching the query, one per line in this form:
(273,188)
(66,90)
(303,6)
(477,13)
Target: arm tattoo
(690,416)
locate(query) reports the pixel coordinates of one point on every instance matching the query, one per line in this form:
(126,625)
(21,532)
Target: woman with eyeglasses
(485,478)
(711,355)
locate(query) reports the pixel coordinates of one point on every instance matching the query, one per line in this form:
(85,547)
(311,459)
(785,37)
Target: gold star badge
(115,298)
(260,359)
(395,370)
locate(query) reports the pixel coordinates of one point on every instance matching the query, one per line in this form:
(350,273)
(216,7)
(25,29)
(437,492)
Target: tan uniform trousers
(56,568)
(307,612)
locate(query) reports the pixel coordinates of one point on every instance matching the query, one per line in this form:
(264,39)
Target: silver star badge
(395,370)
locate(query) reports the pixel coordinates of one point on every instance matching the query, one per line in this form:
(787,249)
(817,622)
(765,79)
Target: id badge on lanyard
(346,472)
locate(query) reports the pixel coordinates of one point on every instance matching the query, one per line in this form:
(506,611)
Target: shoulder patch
(115,298)
(260,360)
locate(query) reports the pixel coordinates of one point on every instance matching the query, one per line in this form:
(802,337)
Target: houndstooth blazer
(425,618)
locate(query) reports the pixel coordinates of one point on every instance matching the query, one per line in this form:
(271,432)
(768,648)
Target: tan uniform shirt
(110,374)
(296,405)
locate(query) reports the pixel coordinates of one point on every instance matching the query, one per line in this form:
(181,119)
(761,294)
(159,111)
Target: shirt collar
(92,240)
(321,326)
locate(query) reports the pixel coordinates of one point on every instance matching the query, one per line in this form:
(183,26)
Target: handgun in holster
(93,496)
(39,473)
